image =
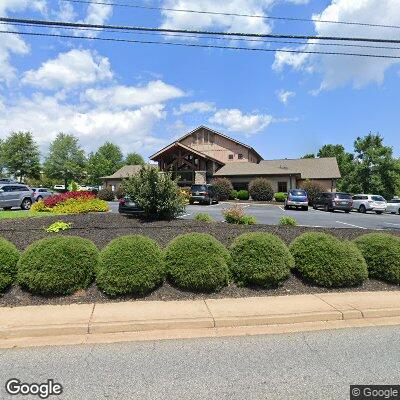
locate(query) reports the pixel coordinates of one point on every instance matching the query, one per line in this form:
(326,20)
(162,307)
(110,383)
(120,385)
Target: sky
(142,97)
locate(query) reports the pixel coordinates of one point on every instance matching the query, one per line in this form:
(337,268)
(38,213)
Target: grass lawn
(24,214)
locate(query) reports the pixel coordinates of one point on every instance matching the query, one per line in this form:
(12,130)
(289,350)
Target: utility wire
(142,6)
(200,45)
(185,31)
(163,34)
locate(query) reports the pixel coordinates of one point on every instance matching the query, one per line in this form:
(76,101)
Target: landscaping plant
(9,256)
(243,195)
(287,221)
(58,265)
(106,195)
(81,206)
(324,260)
(236,215)
(58,226)
(280,197)
(56,199)
(130,265)
(120,193)
(233,195)
(204,217)
(261,190)
(198,262)
(313,190)
(223,188)
(382,254)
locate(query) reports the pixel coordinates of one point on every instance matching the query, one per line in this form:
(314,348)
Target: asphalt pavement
(312,365)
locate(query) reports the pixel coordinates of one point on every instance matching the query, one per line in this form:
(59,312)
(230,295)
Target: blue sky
(144,96)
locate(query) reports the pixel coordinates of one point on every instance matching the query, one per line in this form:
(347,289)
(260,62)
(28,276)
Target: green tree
(66,160)
(134,159)
(105,161)
(309,155)
(20,155)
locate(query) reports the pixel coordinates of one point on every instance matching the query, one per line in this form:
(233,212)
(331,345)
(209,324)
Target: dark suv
(204,194)
(334,201)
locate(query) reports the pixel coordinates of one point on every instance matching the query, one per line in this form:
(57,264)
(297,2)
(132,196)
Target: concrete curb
(65,323)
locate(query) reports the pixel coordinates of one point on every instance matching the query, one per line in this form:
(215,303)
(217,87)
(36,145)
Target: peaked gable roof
(125,172)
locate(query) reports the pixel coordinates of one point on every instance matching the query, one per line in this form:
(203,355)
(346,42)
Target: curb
(61,323)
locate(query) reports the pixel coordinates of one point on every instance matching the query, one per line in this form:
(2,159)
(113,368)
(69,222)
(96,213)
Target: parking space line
(185,215)
(355,226)
(389,223)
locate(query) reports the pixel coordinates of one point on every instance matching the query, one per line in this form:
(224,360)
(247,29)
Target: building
(205,153)
(114,181)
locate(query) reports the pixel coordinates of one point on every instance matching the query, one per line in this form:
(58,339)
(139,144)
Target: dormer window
(240,156)
(230,156)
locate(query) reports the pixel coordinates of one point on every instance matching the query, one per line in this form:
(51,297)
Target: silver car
(369,202)
(393,206)
(41,193)
(15,195)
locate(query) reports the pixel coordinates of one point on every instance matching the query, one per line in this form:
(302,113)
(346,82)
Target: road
(313,365)
(270,214)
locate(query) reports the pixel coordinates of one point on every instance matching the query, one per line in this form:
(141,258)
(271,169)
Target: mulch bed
(102,228)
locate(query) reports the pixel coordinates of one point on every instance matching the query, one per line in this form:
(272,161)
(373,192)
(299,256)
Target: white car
(393,206)
(369,202)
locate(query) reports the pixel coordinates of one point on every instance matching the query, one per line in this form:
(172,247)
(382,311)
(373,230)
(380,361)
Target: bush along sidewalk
(9,256)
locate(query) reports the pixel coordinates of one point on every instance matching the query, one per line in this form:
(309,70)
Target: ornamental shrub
(287,221)
(58,265)
(233,195)
(81,206)
(52,201)
(9,256)
(204,217)
(382,254)
(223,188)
(243,195)
(248,220)
(106,194)
(130,265)
(327,261)
(58,226)
(236,215)
(261,190)
(260,259)
(39,206)
(280,197)
(198,262)
(120,193)
(313,190)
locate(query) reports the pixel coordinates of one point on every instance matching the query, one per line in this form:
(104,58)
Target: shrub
(58,226)
(106,194)
(280,197)
(197,261)
(248,220)
(233,195)
(223,188)
(243,195)
(382,254)
(313,190)
(9,256)
(156,193)
(326,261)
(261,190)
(130,265)
(288,221)
(81,206)
(120,193)
(52,201)
(204,217)
(39,206)
(58,265)
(260,259)
(236,215)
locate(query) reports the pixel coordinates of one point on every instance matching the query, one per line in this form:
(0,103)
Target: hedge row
(136,265)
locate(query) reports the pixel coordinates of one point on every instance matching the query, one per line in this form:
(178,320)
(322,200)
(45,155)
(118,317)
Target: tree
(66,160)
(309,155)
(105,161)
(134,159)
(20,155)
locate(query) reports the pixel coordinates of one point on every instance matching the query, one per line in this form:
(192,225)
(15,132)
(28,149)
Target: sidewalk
(149,320)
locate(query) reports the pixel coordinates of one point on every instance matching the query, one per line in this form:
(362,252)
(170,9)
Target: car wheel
(362,209)
(26,204)
(39,198)
(347,211)
(379,212)
(326,208)
(304,208)
(7,208)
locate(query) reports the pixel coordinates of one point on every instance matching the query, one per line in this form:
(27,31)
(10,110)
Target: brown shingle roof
(307,168)
(125,172)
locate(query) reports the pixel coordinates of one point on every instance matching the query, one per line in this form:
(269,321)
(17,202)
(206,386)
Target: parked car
(331,201)
(204,194)
(129,207)
(297,198)
(393,206)
(59,187)
(369,202)
(41,193)
(15,195)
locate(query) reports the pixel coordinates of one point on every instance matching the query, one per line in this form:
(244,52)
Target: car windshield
(343,196)
(298,193)
(377,198)
(199,188)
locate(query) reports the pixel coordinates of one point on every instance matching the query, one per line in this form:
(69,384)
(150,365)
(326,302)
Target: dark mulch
(102,228)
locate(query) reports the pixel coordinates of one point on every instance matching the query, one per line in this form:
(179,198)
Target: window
(231,156)
(282,187)
(240,156)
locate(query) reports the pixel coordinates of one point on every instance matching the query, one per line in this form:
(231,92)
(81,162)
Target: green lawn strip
(25,214)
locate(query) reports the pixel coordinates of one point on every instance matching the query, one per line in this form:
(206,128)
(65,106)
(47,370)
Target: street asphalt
(312,365)
(270,214)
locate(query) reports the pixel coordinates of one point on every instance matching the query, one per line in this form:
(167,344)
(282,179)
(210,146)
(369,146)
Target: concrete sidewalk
(144,320)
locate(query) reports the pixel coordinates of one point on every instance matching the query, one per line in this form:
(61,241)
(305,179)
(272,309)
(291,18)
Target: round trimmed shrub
(261,190)
(382,254)
(260,259)
(58,265)
(198,262)
(243,195)
(9,256)
(233,194)
(106,194)
(280,197)
(222,187)
(130,265)
(324,260)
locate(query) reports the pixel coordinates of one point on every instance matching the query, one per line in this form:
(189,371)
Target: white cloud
(66,12)
(97,14)
(285,95)
(68,70)
(197,106)
(341,70)
(235,121)
(129,96)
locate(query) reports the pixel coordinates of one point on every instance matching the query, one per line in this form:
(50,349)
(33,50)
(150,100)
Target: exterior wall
(219,147)
(112,184)
(329,185)
(242,182)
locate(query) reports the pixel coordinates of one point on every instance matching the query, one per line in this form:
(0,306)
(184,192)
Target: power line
(219,38)
(185,31)
(201,45)
(157,8)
